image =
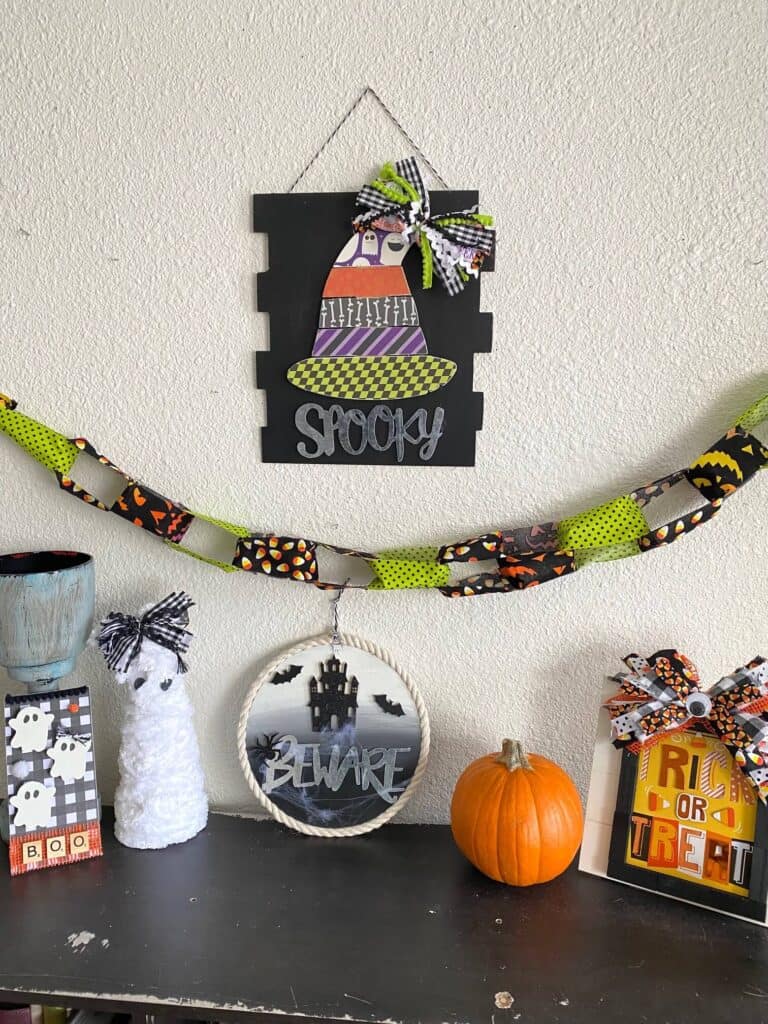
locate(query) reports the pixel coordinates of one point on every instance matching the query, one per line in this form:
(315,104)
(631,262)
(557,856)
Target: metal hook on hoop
(335,637)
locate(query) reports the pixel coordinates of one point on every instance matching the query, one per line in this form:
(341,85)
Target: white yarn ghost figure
(160,799)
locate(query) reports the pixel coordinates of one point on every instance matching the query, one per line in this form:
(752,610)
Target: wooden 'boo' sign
(333,737)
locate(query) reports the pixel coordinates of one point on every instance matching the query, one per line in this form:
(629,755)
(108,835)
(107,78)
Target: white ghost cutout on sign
(33,804)
(31,727)
(70,756)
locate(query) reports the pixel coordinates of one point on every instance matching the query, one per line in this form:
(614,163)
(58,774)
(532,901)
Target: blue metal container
(46,614)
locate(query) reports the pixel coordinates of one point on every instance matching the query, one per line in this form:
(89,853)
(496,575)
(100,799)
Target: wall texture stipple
(620,149)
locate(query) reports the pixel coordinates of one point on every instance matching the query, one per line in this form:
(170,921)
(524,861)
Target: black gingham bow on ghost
(121,636)
(453,245)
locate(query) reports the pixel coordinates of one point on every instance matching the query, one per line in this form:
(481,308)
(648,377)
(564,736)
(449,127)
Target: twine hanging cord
(242,728)
(367,91)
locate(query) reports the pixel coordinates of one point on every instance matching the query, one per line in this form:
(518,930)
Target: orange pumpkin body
(517,818)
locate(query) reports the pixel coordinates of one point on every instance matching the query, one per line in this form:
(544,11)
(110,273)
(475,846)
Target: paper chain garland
(661,695)
(524,557)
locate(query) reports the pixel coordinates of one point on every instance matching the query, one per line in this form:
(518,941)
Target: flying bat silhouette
(388,706)
(285,677)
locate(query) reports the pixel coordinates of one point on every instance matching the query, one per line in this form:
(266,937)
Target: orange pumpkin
(517,817)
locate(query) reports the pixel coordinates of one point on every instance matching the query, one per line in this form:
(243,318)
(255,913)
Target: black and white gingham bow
(454,245)
(121,636)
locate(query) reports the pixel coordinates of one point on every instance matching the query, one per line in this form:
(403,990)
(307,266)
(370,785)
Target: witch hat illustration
(369,345)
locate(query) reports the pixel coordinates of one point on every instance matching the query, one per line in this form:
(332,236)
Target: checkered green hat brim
(372,378)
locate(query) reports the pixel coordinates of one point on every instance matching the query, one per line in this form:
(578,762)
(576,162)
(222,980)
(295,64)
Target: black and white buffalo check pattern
(75,803)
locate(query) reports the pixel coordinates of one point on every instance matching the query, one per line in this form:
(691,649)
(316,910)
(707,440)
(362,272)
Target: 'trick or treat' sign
(368,361)
(679,779)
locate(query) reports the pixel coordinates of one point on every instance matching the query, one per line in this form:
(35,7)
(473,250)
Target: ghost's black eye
(139,682)
(165,684)
(25,719)
(71,746)
(27,795)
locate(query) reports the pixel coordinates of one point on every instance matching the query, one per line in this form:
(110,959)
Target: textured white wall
(620,146)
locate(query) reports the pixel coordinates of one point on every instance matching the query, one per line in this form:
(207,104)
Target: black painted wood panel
(305,233)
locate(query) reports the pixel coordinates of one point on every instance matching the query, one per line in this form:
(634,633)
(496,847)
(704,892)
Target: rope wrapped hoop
(326,640)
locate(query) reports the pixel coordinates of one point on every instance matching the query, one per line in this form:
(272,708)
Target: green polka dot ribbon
(52,450)
(408,569)
(604,533)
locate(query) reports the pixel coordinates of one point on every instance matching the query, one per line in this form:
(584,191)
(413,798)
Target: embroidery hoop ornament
(332,641)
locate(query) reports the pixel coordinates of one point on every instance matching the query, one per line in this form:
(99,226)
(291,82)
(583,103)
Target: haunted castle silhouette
(332,697)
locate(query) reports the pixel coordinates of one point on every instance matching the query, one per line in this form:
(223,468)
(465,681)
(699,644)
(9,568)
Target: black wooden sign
(364,365)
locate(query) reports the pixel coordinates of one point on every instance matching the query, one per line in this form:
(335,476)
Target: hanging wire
(335,637)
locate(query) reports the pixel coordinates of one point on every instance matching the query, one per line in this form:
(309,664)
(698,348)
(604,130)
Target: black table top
(395,926)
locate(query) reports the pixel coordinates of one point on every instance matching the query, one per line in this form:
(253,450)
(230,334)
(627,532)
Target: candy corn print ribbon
(517,558)
(663,694)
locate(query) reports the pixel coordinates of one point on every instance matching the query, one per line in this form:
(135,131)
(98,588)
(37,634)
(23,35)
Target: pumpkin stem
(513,756)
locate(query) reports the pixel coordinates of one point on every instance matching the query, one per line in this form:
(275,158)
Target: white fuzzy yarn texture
(160,799)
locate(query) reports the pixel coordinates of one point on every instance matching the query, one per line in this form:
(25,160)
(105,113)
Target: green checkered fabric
(372,377)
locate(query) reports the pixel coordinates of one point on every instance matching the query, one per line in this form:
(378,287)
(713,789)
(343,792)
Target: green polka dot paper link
(238,531)
(611,553)
(409,569)
(222,524)
(225,566)
(604,533)
(54,451)
(756,414)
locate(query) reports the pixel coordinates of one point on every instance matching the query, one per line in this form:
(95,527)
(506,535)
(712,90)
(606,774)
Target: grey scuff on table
(251,920)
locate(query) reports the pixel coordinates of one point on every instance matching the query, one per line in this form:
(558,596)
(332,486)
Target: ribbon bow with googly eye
(661,694)
(453,245)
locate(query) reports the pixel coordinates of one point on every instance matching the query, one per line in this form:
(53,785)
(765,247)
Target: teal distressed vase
(46,614)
